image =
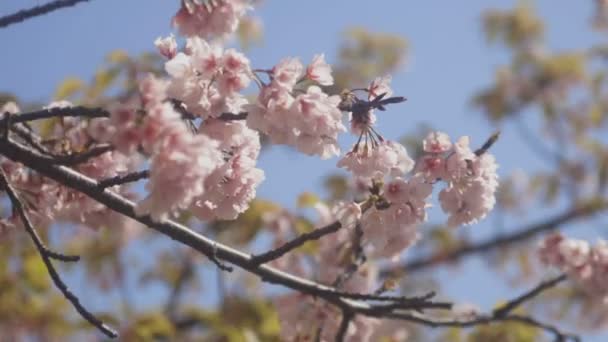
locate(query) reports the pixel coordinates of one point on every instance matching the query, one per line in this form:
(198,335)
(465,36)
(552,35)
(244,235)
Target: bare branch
(520,235)
(184,235)
(514,303)
(123,179)
(36,11)
(347,316)
(46,256)
(295,243)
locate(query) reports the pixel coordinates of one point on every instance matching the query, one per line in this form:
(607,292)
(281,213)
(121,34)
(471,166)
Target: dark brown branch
(486,146)
(123,179)
(521,235)
(358,256)
(36,11)
(480,320)
(347,316)
(184,235)
(210,248)
(295,243)
(46,256)
(76,111)
(233,117)
(30,138)
(514,303)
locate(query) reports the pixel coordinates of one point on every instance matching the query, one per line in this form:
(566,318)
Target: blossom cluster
(46,201)
(302,316)
(311,120)
(471,177)
(206,78)
(210,19)
(211,172)
(586,264)
(471,182)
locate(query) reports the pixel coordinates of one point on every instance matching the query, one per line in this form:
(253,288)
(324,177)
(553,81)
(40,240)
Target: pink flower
(177,173)
(379,86)
(210,19)
(9,107)
(437,142)
(311,122)
(232,186)
(348,213)
(167,46)
(287,73)
(585,264)
(319,71)
(389,158)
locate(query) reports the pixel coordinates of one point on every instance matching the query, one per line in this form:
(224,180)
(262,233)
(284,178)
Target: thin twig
(46,256)
(514,303)
(347,316)
(520,235)
(36,11)
(295,243)
(123,179)
(359,257)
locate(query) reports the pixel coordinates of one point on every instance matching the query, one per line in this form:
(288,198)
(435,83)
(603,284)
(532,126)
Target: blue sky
(449,61)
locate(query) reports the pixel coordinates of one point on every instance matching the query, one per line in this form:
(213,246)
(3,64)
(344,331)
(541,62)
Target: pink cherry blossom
(437,142)
(319,71)
(310,122)
(207,80)
(287,73)
(216,19)
(167,46)
(379,86)
(230,188)
(348,213)
(389,158)
(584,263)
(178,170)
(9,107)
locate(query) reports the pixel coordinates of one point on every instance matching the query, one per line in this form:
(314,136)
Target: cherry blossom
(311,121)
(230,188)
(379,86)
(388,158)
(319,71)
(167,46)
(287,73)
(584,263)
(207,80)
(216,19)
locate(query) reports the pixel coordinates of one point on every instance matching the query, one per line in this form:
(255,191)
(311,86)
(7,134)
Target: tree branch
(347,316)
(76,111)
(123,179)
(295,243)
(46,256)
(514,303)
(184,235)
(522,234)
(409,309)
(36,11)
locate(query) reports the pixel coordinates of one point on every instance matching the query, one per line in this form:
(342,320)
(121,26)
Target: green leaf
(68,87)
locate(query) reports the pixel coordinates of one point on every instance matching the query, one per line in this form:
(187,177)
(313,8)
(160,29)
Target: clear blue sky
(449,61)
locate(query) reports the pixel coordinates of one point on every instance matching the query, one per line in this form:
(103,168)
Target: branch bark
(29,13)
(521,235)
